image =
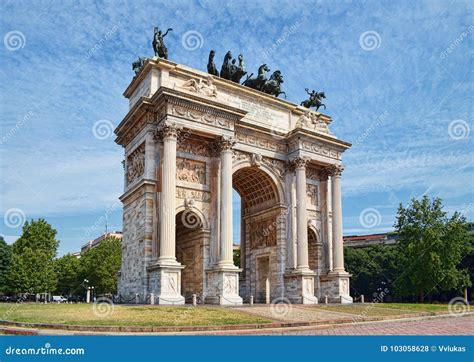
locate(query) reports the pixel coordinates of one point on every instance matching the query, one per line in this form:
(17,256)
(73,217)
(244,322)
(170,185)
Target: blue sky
(397,76)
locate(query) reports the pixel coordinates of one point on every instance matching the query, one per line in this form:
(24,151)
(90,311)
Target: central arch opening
(257,232)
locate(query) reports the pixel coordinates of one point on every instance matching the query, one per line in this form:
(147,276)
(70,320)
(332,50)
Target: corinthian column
(225,145)
(338,246)
(301,217)
(169,135)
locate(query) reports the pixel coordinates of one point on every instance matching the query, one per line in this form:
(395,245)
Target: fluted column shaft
(226,241)
(168,196)
(338,245)
(301,217)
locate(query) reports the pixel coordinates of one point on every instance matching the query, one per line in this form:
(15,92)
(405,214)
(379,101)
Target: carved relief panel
(262,233)
(136,164)
(190,170)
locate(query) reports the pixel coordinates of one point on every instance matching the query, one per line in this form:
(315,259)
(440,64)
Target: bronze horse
(273,85)
(258,82)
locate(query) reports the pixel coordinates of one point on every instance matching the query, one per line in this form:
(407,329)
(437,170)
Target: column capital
(336,170)
(222,144)
(167,131)
(324,173)
(300,162)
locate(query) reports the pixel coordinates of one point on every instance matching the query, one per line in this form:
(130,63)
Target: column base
(299,287)
(336,286)
(165,283)
(223,286)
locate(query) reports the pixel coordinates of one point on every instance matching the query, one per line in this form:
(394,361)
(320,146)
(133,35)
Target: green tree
(67,271)
(101,264)
(31,268)
(431,247)
(5,260)
(372,268)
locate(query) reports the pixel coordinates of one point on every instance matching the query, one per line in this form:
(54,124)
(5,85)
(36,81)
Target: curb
(35,328)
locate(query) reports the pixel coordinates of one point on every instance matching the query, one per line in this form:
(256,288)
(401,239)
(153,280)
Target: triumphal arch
(190,139)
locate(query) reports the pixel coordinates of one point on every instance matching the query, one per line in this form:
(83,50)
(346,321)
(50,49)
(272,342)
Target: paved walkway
(462,325)
(295,313)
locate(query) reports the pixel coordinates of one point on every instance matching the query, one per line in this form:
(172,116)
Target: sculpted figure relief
(207,88)
(136,164)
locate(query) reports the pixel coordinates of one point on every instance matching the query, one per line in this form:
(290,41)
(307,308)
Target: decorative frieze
(197,195)
(190,170)
(200,116)
(193,148)
(136,164)
(320,149)
(261,141)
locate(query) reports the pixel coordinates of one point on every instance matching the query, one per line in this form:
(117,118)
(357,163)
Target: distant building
(361,241)
(96,242)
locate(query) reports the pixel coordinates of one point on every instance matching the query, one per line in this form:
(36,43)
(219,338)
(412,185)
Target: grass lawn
(385,309)
(83,314)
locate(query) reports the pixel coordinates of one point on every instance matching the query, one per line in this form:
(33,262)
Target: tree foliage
(430,247)
(5,260)
(31,268)
(101,264)
(67,269)
(372,268)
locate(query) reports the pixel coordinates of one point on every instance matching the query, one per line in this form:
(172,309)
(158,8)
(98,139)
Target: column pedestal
(336,286)
(165,283)
(223,286)
(299,287)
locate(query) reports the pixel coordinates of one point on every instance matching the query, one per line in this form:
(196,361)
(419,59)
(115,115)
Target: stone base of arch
(299,287)
(165,284)
(223,286)
(335,285)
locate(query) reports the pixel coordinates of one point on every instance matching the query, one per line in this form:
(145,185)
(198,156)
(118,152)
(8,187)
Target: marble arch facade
(186,148)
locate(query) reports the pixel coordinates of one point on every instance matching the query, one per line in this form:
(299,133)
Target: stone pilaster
(301,215)
(299,283)
(338,264)
(223,279)
(165,275)
(327,241)
(336,283)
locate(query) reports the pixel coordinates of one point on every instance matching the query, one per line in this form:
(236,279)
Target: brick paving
(294,313)
(452,325)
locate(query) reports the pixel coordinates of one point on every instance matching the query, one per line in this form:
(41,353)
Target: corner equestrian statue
(158,43)
(138,65)
(315,99)
(211,66)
